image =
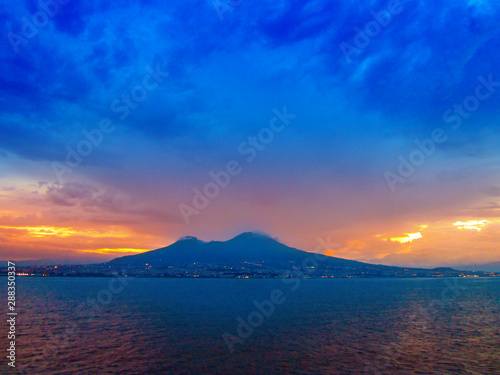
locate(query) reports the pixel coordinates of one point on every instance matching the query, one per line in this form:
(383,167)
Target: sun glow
(409,238)
(111,251)
(471,224)
(45,231)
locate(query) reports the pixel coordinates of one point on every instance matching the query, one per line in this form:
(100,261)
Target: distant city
(243,270)
(248,255)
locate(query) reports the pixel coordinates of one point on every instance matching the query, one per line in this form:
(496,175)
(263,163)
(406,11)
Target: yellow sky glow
(111,251)
(471,224)
(409,238)
(44,231)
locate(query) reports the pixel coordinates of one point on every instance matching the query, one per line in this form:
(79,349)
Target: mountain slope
(488,267)
(247,247)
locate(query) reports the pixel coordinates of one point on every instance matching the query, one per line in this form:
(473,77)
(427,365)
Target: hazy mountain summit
(246,247)
(248,255)
(255,254)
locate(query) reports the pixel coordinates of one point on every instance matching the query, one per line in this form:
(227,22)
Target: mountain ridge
(247,255)
(245,247)
(486,267)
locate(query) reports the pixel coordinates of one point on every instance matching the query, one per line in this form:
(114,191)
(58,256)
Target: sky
(370,127)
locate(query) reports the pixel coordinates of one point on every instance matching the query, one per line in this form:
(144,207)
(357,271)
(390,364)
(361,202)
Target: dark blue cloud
(225,77)
(302,20)
(425,60)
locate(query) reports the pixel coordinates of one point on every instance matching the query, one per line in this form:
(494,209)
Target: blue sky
(324,174)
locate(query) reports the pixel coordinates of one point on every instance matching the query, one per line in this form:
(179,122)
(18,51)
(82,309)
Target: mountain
(488,267)
(253,255)
(247,247)
(249,255)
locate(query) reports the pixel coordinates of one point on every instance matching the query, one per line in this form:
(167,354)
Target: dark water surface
(323,326)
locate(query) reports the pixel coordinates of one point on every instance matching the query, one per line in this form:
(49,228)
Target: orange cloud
(119,252)
(43,231)
(408,238)
(471,224)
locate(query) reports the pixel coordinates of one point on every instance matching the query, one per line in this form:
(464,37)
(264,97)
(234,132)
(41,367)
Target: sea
(255,326)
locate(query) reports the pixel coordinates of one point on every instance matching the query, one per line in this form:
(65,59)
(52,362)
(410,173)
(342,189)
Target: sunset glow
(472,224)
(117,252)
(408,238)
(250,187)
(43,231)
(111,130)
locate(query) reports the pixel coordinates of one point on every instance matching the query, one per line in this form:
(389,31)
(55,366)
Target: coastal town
(244,270)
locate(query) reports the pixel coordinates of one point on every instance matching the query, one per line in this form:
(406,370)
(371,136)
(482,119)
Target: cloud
(471,224)
(70,194)
(323,173)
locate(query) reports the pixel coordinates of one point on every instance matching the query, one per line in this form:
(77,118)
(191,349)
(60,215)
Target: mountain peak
(188,238)
(242,236)
(251,235)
